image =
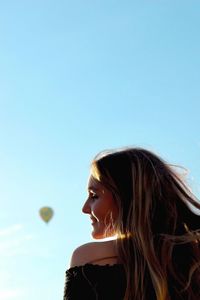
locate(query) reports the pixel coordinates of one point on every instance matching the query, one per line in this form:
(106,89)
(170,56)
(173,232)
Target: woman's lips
(93,220)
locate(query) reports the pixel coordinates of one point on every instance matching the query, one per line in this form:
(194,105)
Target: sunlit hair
(158,233)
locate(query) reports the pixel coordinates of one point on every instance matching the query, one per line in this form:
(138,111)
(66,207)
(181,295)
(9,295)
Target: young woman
(136,197)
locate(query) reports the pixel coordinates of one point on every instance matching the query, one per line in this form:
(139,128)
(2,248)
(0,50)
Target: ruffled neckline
(95,266)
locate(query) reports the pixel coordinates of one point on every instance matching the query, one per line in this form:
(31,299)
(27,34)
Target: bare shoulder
(93,252)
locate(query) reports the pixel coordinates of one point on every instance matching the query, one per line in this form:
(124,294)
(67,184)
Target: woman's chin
(102,235)
(97,236)
(99,232)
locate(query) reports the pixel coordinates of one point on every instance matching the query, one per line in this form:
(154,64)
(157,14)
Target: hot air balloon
(46,213)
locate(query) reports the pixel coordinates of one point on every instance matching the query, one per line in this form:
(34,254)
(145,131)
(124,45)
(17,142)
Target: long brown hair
(158,233)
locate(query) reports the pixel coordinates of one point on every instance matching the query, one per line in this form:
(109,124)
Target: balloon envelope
(46,213)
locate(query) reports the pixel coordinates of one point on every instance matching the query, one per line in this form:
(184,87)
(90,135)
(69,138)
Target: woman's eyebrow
(92,188)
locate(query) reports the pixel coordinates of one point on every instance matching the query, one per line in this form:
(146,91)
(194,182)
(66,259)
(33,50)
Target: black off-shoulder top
(95,282)
(108,282)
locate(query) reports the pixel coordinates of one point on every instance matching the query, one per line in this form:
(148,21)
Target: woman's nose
(86,208)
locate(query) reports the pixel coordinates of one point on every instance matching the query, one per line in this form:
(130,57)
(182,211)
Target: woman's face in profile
(101,207)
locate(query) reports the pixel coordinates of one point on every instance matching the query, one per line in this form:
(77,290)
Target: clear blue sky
(77,77)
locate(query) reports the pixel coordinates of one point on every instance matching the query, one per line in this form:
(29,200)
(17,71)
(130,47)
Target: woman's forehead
(94,184)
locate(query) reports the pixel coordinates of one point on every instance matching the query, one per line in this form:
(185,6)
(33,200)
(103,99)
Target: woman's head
(144,189)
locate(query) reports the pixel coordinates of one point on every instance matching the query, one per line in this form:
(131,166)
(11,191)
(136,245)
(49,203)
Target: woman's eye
(93,196)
